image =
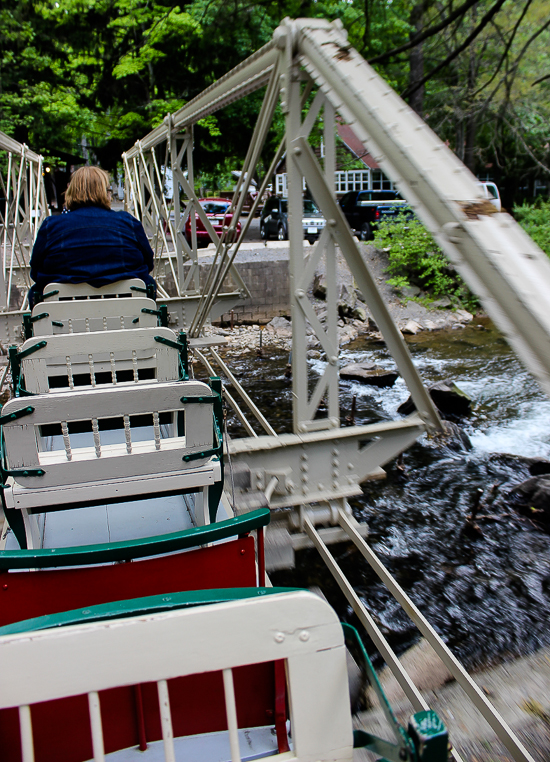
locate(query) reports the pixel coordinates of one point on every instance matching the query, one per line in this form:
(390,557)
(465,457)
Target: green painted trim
(25,472)
(390,751)
(202,454)
(216,490)
(151,604)
(198,399)
(134,288)
(168,343)
(58,323)
(48,294)
(124,551)
(163,315)
(31,350)
(42,315)
(16,414)
(184,351)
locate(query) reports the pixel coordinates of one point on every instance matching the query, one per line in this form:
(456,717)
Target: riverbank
(355,318)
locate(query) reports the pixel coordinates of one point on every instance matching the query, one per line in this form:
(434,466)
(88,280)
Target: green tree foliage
(477,70)
(535,220)
(415,259)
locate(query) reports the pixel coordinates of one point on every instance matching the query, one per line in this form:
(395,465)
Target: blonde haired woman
(92,244)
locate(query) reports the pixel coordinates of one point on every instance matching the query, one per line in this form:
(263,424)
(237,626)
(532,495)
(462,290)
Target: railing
(22,209)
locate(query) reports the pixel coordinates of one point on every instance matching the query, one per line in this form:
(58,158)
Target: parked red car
(216,211)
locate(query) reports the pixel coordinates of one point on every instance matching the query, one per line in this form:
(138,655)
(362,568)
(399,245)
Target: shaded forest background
(477,71)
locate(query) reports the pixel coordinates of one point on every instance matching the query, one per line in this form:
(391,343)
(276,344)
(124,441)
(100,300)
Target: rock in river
(369,373)
(448,398)
(532,497)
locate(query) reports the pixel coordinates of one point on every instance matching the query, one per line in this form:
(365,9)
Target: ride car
(216,210)
(274,220)
(366,208)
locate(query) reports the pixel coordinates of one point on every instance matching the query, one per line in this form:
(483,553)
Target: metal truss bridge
(310,68)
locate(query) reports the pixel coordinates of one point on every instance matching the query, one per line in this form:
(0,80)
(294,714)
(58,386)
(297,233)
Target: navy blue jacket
(90,245)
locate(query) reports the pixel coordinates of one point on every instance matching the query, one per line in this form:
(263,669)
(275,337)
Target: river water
(487,592)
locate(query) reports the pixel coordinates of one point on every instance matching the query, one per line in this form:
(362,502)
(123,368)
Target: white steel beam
(496,258)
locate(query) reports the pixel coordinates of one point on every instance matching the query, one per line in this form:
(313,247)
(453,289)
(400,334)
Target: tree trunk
(416,60)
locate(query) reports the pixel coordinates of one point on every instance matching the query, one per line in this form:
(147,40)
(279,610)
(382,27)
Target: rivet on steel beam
(304,636)
(297,150)
(333,360)
(331,223)
(299,293)
(279,637)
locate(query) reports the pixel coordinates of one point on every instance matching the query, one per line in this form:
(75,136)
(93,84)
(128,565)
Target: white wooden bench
(297,627)
(85,447)
(48,364)
(75,291)
(84,316)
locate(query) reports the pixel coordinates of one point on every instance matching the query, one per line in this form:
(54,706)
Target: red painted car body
(216,211)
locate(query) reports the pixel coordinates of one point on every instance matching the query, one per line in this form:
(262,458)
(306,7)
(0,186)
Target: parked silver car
(274,220)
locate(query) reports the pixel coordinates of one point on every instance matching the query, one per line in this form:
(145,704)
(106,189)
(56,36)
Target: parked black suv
(274,220)
(365,209)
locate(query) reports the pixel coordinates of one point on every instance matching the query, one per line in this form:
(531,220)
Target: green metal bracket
(43,558)
(32,349)
(15,358)
(168,343)
(135,320)
(163,315)
(15,366)
(427,738)
(202,454)
(198,399)
(27,327)
(216,490)
(149,290)
(392,752)
(41,316)
(15,415)
(28,320)
(48,294)
(184,351)
(58,323)
(25,472)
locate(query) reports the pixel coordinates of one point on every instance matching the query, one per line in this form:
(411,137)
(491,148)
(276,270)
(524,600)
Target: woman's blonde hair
(89,186)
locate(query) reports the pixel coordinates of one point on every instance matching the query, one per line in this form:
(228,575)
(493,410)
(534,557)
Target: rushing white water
(486,589)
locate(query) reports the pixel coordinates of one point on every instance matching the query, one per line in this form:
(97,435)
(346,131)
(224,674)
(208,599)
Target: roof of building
(352,142)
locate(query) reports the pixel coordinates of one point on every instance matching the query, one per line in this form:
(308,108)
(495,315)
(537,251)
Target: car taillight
(377,215)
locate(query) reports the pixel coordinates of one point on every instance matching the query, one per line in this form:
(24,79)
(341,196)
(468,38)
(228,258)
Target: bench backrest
(87,316)
(297,627)
(100,358)
(99,435)
(68,291)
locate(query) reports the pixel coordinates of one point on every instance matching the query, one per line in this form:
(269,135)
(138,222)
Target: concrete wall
(269,284)
(267,276)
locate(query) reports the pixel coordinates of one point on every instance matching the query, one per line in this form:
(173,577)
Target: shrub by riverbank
(535,220)
(416,261)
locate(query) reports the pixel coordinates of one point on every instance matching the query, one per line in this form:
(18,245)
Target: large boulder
(448,399)
(532,497)
(281,327)
(368,373)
